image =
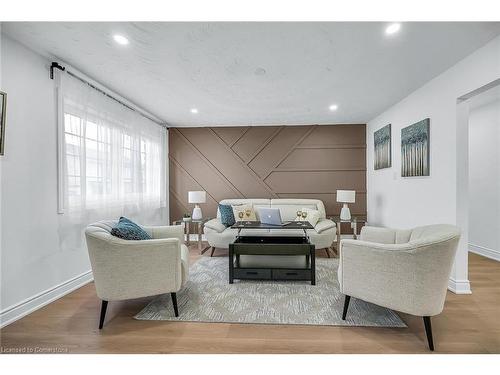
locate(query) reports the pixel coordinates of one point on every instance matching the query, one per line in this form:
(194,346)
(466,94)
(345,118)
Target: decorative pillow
(243,208)
(226,215)
(128,230)
(312,216)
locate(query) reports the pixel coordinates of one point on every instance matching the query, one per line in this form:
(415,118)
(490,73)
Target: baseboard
(459,286)
(23,308)
(485,252)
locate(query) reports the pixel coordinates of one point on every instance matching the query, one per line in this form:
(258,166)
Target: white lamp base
(197,215)
(345,213)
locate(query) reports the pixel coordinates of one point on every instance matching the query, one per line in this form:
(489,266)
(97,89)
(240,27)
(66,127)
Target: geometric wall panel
(267,162)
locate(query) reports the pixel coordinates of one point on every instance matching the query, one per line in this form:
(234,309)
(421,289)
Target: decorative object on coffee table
(299,215)
(197,197)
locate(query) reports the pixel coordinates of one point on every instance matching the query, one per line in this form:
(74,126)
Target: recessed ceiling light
(120,39)
(194,110)
(393,28)
(333,107)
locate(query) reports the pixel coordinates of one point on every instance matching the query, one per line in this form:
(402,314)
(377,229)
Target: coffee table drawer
(291,274)
(252,273)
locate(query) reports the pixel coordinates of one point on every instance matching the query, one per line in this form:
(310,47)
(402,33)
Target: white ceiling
(258,73)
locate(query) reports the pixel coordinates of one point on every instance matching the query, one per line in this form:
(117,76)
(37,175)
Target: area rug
(208,297)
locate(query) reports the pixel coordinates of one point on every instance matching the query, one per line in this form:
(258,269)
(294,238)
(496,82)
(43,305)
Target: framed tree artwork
(382,147)
(415,149)
(3,108)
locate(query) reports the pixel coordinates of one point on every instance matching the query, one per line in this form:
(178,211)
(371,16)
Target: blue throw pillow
(128,230)
(226,215)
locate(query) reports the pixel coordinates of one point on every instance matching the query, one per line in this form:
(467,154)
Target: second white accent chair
(404,270)
(125,269)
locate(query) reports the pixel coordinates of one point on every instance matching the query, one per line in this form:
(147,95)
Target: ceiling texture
(258,73)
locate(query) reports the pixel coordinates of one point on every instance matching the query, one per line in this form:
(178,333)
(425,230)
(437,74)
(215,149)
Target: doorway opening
(478,178)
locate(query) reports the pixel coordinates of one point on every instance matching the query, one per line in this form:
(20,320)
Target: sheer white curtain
(112,161)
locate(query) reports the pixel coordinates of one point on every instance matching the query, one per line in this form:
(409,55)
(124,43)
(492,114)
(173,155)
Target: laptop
(271,216)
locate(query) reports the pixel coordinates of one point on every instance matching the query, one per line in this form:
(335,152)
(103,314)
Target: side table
(354,225)
(198,227)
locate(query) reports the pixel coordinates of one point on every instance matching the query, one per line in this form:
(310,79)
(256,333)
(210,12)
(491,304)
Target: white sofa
(322,236)
(404,270)
(132,269)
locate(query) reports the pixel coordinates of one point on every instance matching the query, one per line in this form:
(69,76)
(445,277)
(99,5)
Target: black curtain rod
(56,65)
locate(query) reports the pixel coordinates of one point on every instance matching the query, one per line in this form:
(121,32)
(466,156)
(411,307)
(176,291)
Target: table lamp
(346,196)
(197,197)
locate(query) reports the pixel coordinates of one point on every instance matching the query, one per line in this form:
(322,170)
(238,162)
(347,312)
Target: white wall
(484,180)
(42,256)
(1,163)
(406,202)
(35,268)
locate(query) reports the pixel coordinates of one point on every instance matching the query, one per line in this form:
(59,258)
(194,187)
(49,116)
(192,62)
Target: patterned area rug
(208,297)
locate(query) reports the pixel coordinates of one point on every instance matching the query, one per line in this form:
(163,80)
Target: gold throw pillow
(245,208)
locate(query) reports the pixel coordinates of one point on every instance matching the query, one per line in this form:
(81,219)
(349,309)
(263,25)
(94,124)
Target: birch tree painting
(382,153)
(415,149)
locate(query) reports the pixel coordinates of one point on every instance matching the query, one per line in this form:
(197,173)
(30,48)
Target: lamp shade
(346,196)
(197,196)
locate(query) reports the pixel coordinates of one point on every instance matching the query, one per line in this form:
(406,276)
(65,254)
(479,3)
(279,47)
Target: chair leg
(327,251)
(104,306)
(212,253)
(346,306)
(428,332)
(174,301)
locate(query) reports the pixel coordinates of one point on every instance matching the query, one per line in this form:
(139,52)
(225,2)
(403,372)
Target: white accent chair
(322,236)
(133,269)
(403,270)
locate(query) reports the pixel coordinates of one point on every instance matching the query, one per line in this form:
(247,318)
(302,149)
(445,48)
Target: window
(113,159)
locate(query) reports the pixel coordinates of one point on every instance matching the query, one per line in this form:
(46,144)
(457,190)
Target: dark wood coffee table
(275,246)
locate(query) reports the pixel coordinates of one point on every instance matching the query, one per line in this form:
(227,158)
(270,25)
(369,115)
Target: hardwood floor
(468,324)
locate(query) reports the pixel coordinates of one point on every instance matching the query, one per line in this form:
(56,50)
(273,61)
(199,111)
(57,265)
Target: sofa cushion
(226,215)
(289,206)
(256,203)
(128,230)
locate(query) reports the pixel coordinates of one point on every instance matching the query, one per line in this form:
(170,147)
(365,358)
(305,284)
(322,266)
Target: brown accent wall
(267,162)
